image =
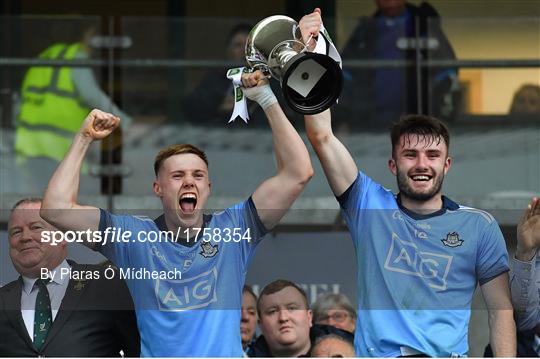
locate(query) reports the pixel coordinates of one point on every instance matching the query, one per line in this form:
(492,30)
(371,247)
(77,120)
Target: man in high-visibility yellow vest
(54,100)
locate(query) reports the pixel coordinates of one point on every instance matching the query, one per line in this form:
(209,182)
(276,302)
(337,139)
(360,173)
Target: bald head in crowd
(332,346)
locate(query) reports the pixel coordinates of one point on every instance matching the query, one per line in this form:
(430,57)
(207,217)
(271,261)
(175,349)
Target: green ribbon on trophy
(240,104)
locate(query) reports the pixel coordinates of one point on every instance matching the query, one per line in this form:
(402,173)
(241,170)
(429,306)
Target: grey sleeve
(92,95)
(524,287)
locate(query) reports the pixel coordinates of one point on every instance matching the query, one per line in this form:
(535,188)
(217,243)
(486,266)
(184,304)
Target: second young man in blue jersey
(420,255)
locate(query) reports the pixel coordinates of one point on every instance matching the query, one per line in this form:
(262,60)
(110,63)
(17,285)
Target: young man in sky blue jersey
(420,255)
(198,314)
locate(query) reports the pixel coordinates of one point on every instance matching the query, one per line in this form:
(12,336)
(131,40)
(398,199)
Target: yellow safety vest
(51,109)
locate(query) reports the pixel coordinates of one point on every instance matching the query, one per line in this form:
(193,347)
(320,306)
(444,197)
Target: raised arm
(502,328)
(91,93)
(60,207)
(337,162)
(275,196)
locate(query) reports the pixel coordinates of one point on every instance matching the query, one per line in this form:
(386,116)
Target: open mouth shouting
(187,203)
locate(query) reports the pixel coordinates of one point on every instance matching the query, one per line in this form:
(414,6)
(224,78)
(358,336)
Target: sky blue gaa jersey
(197,315)
(417,274)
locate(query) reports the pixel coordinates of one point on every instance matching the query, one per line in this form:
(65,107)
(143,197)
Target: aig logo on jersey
(405,257)
(452,240)
(185,294)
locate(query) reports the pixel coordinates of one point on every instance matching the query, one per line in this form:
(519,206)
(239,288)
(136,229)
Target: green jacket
(51,110)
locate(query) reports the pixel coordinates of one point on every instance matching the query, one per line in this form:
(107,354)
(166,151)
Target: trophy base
(311,82)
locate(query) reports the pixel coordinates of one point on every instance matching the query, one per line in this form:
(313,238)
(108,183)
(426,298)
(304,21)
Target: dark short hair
(26,201)
(177,150)
(520,97)
(241,28)
(429,128)
(275,287)
(248,289)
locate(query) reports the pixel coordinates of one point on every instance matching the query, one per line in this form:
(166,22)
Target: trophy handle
(258,66)
(281,54)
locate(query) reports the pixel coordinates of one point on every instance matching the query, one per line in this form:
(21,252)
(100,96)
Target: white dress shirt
(57,289)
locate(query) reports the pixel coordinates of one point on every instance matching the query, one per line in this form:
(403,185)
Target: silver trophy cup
(310,82)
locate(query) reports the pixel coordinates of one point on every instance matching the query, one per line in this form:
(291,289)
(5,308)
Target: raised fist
(253,79)
(98,124)
(309,27)
(256,88)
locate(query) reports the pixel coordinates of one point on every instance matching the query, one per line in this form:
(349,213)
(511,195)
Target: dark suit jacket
(260,347)
(96,318)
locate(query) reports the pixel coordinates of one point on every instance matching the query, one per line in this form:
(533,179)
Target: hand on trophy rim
(256,88)
(310,25)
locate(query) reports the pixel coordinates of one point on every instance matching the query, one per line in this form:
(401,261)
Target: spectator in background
(212,101)
(383,94)
(525,280)
(56,99)
(336,310)
(68,315)
(285,322)
(332,346)
(248,321)
(526,100)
